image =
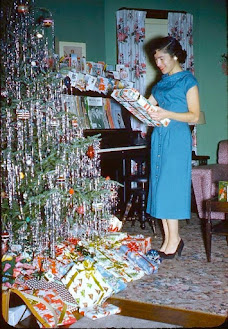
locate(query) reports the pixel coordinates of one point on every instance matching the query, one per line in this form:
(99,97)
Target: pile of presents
(80,279)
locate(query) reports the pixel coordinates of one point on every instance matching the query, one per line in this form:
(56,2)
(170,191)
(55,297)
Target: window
(153,28)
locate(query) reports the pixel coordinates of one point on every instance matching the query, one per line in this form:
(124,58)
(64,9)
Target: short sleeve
(190,81)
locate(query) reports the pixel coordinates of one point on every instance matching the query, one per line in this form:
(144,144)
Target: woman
(175,97)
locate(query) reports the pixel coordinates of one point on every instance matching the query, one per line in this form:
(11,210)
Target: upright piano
(118,147)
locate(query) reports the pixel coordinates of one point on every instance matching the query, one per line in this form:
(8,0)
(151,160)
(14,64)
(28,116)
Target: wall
(79,21)
(94,22)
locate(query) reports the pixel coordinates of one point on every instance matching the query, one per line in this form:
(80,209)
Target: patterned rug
(190,281)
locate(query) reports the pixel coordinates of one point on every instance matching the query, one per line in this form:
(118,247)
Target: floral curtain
(180,26)
(130,39)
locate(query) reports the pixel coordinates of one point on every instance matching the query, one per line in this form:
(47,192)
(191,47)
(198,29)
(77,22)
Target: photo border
(63,44)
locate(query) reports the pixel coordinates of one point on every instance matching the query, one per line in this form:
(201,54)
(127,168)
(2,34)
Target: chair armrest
(205,183)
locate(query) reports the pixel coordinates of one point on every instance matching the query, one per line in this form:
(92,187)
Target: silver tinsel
(52,184)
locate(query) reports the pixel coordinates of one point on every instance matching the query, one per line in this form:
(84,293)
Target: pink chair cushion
(205,185)
(223,152)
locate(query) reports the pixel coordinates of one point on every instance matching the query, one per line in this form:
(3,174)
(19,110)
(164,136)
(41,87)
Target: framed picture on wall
(68,49)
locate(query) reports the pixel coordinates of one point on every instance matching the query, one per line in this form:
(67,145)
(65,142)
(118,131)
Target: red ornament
(80,210)
(4,242)
(71,191)
(74,123)
(90,152)
(107,178)
(22,9)
(62,139)
(49,62)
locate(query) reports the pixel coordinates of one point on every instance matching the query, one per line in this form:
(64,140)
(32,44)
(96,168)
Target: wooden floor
(159,313)
(166,314)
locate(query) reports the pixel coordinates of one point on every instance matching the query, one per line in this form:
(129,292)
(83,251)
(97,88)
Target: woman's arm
(152,100)
(192,116)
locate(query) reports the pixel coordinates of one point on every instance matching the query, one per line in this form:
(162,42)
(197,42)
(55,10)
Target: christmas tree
(51,186)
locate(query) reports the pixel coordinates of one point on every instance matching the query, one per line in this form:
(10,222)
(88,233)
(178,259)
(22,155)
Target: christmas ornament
(54,122)
(71,191)
(29,161)
(80,210)
(74,123)
(4,242)
(97,206)
(3,93)
(49,62)
(4,195)
(90,152)
(39,35)
(47,22)
(22,114)
(22,9)
(34,63)
(27,219)
(67,81)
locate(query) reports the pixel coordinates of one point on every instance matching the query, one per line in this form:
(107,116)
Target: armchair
(205,181)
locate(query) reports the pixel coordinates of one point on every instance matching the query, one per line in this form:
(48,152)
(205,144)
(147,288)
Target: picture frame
(67,48)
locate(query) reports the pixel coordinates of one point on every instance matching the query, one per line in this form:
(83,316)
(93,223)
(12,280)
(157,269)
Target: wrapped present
(138,243)
(223,191)
(47,307)
(86,284)
(16,314)
(57,286)
(138,105)
(115,236)
(13,266)
(115,224)
(117,283)
(97,312)
(140,259)
(119,265)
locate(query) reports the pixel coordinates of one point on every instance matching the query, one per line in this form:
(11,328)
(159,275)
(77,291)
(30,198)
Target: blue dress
(169,195)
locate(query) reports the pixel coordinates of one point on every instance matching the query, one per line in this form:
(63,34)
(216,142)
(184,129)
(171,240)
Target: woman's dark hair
(171,46)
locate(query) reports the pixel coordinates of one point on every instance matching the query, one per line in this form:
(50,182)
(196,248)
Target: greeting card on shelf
(96,115)
(138,106)
(107,109)
(116,112)
(123,71)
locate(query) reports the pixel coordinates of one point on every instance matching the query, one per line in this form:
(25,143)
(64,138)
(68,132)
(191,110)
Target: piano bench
(136,206)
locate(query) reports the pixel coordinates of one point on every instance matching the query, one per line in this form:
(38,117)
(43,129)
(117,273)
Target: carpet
(188,282)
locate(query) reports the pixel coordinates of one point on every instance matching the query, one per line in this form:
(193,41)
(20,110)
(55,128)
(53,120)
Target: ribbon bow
(132,246)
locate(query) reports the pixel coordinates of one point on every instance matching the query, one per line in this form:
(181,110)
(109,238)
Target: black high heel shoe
(178,251)
(161,253)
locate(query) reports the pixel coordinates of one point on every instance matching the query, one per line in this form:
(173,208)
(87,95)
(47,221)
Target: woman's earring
(175,58)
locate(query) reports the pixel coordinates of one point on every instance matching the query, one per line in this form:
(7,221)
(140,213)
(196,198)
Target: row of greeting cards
(97,77)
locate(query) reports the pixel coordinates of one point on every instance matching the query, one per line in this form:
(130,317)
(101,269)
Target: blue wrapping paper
(147,265)
(116,283)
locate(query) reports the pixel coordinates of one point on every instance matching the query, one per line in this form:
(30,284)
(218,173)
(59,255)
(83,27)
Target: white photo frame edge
(63,44)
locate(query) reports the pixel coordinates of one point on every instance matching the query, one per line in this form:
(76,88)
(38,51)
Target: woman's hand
(158,113)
